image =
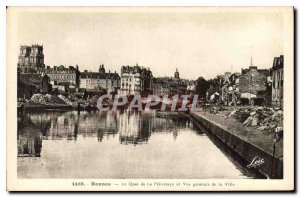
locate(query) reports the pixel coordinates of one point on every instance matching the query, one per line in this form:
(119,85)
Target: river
(121,144)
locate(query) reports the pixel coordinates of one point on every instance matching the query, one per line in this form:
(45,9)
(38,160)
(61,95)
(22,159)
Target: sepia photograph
(150,98)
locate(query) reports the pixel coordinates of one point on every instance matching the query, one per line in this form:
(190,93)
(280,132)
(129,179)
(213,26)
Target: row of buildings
(252,85)
(34,76)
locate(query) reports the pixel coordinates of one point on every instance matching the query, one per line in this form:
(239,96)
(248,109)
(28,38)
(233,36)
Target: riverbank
(249,143)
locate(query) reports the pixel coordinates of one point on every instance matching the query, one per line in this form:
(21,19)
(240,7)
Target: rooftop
(97,75)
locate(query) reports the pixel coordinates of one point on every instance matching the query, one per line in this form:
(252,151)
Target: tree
(201,87)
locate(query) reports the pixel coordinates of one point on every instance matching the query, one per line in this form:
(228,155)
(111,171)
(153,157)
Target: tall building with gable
(136,80)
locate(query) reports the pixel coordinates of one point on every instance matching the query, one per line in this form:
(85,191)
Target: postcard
(150,99)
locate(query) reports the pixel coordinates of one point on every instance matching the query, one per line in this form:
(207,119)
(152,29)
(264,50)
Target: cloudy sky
(197,42)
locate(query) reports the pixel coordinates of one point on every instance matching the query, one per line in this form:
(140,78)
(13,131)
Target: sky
(198,43)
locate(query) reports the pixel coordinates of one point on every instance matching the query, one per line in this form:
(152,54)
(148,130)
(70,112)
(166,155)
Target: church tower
(101,69)
(176,74)
(31,58)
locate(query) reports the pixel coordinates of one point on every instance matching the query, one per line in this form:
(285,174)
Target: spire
(176,74)
(251,63)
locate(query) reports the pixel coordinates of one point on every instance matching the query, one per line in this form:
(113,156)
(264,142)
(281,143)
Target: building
(176,74)
(213,93)
(136,80)
(66,76)
(191,87)
(31,59)
(277,81)
(230,88)
(253,83)
(45,85)
(171,85)
(31,83)
(265,72)
(235,82)
(161,86)
(101,80)
(226,88)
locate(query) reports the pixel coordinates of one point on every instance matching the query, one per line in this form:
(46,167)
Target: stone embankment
(252,137)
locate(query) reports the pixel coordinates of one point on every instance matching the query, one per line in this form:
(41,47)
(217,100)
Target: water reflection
(29,146)
(131,127)
(121,144)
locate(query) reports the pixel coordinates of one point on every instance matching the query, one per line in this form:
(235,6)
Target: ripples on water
(120,144)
